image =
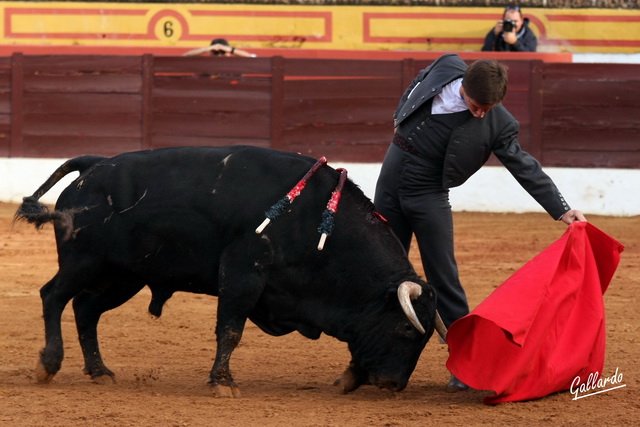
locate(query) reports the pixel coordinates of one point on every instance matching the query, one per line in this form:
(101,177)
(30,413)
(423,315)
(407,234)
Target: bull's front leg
(221,380)
(240,286)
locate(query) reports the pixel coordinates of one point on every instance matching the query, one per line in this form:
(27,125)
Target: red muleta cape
(544,326)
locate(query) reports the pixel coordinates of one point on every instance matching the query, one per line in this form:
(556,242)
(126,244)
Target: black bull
(184,219)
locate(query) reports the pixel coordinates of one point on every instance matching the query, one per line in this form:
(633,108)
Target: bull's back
(228,182)
(179,207)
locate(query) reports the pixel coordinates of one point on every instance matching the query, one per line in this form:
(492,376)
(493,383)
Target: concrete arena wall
(595,191)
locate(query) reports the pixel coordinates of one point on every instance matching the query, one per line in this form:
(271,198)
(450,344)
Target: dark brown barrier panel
(6,102)
(581,115)
(70,105)
(591,115)
(210,101)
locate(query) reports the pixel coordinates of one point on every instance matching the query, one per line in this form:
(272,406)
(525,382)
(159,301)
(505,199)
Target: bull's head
(387,348)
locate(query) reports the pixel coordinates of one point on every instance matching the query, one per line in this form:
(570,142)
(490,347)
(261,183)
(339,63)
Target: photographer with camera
(511,33)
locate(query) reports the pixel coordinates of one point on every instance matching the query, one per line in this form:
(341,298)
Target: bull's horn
(408,291)
(442,330)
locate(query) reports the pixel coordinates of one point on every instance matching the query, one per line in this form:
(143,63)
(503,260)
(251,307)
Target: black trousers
(410,196)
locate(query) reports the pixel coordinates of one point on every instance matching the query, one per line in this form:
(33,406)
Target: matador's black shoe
(455,385)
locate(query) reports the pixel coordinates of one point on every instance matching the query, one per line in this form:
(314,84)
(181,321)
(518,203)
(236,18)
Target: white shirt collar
(449,100)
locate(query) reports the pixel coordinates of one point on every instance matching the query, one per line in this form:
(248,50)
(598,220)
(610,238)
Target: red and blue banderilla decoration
(327,221)
(282,205)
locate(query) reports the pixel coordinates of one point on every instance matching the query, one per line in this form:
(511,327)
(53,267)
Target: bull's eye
(405,330)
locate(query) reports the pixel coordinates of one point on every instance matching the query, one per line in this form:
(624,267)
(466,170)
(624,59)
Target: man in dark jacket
(511,34)
(450,119)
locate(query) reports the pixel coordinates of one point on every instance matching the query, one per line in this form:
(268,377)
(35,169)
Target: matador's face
(477,110)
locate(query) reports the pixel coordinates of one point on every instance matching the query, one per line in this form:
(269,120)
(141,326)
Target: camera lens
(507,25)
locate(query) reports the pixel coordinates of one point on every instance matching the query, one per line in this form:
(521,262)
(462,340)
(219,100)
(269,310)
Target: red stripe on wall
(604,43)
(50,11)
(592,18)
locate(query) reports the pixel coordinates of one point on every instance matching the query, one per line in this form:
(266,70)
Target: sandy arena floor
(162,364)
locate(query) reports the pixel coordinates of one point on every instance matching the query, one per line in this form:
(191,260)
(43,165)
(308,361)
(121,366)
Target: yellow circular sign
(168,25)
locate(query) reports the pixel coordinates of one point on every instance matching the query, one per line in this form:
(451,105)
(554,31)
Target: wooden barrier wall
(578,115)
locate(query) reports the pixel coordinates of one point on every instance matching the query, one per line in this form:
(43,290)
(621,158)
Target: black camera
(508,25)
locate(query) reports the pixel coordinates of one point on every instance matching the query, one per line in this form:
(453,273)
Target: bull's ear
(430,292)
(391,297)
(392,292)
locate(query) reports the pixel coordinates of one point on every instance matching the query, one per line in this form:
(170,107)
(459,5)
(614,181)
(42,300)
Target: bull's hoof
(104,379)
(42,376)
(225,391)
(347,382)
(100,375)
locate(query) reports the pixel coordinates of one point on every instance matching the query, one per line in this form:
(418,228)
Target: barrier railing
(65,105)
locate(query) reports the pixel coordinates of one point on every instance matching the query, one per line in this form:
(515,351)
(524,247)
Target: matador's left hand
(572,215)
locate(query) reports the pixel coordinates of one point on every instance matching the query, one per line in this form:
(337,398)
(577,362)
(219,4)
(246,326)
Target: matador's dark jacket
(471,144)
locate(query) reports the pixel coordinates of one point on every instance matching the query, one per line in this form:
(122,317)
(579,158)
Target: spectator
(220,47)
(511,33)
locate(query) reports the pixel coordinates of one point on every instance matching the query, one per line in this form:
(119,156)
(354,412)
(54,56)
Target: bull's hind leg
(55,296)
(88,308)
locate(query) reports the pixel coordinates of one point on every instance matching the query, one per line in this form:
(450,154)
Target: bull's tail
(34,212)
